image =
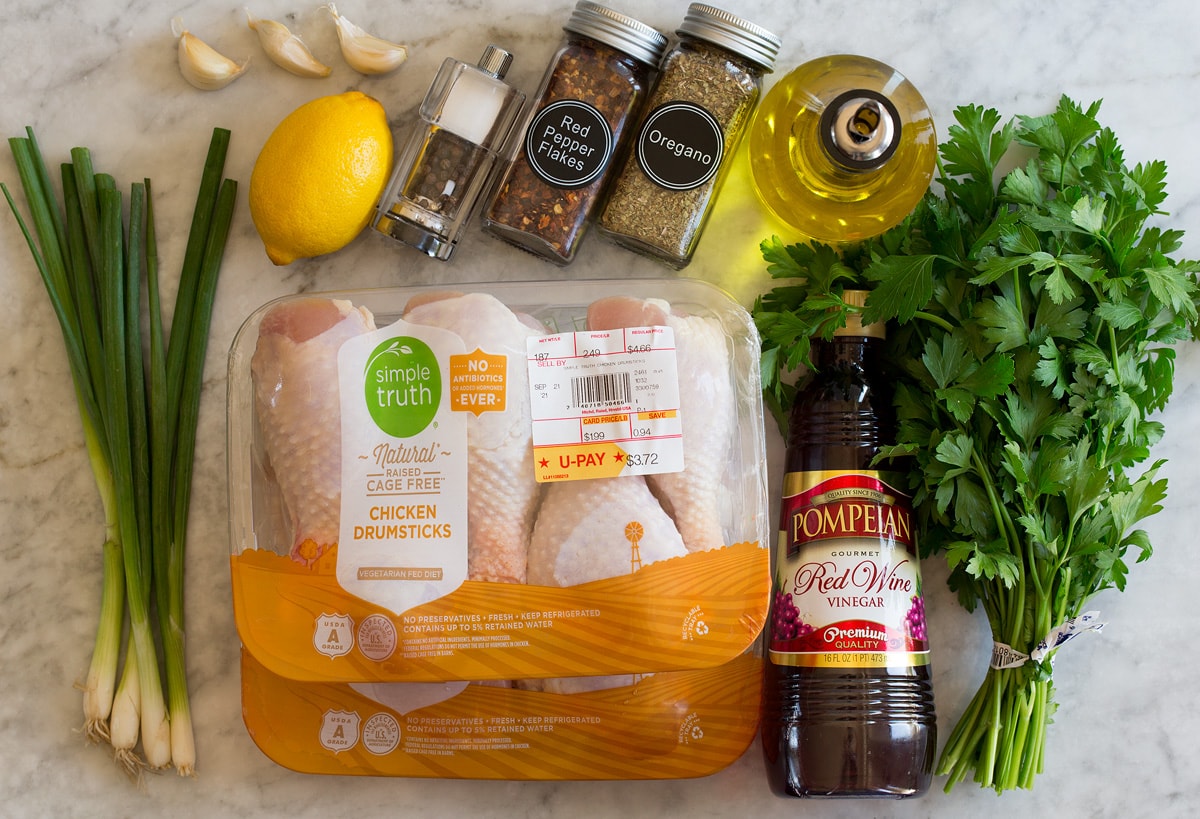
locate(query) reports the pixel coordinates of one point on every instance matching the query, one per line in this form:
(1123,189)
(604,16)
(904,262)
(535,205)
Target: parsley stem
(1023,733)
(1116,356)
(1032,562)
(1066,585)
(986,768)
(1008,531)
(956,758)
(934,319)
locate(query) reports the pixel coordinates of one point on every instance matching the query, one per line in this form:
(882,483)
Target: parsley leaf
(905,284)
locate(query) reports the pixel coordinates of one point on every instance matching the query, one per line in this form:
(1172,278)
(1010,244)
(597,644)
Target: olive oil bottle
(842,148)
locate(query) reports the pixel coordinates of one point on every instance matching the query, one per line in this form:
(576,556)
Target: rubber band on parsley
(1031,333)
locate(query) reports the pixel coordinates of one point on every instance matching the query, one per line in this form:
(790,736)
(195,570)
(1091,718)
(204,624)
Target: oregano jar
(707,88)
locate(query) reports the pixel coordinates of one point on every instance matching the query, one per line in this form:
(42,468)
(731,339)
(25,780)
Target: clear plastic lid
(351,523)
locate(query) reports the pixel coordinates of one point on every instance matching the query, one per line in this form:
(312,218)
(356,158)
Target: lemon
(319,175)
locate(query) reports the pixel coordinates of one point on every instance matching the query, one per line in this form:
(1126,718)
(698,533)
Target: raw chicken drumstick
(593,529)
(296,397)
(706,409)
(502,489)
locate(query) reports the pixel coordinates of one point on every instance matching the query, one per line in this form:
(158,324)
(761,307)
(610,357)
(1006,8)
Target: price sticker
(605,403)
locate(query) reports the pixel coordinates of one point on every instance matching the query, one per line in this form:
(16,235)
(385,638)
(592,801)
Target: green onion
(81,336)
(176,380)
(139,422)
(122,434)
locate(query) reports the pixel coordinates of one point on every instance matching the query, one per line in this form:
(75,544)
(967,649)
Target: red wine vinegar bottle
(847,700)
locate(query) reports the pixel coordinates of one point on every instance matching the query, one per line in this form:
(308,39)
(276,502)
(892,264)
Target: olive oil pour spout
(860,130)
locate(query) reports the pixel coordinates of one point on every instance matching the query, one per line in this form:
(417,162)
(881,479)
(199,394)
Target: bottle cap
(860,129)
(635,38)
(495,61)
(854,325)
(730,32)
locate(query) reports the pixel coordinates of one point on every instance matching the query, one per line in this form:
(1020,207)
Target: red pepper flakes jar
(590,98)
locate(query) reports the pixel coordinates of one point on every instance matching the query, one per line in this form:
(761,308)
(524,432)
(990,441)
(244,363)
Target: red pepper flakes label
(848,582)
(568,144)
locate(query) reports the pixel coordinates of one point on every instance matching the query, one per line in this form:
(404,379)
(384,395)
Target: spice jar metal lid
(731,32)
(635,38)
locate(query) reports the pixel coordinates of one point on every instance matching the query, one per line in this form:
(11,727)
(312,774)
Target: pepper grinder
(467,117)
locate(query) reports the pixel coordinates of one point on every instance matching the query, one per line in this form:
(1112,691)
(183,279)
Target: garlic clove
(285,49)
(366,53)
(202,65)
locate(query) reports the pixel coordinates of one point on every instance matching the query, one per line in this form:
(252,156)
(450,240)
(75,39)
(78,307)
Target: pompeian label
(680,146)
(847,576)
(568,144)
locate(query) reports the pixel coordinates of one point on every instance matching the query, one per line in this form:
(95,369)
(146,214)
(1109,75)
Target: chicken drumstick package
(670,725)
(514,531)
(508,481)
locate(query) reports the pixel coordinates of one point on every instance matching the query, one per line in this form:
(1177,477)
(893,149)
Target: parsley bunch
(1032,316)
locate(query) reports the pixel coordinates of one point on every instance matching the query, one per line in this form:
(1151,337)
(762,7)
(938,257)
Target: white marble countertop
(103,74)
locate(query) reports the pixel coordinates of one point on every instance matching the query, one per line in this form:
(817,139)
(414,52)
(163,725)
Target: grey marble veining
(104,74)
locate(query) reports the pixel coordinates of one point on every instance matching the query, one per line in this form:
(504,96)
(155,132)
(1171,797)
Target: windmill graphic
(633,533)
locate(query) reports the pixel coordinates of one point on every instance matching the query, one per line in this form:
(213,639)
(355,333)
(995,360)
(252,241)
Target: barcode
(603,389)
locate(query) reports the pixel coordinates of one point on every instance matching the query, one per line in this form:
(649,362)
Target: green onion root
(125,722)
